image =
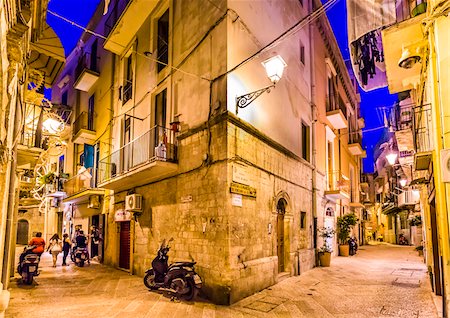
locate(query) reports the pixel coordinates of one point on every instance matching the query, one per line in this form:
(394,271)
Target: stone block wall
(235,253)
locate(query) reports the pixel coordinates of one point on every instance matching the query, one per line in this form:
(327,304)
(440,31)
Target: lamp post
(274,69)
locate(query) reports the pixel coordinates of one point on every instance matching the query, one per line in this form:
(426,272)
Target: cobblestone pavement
(380,281)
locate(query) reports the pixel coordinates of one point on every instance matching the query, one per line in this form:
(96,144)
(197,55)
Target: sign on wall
(240,174)
(242,189)
(122,216)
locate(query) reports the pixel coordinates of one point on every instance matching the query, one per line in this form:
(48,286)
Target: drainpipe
(313,141)
(10,190)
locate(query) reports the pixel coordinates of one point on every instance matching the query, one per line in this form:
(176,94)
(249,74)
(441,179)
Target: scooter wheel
(192,291)
(149,280)
(29,279)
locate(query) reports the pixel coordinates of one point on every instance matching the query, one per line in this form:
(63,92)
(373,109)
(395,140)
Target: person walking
(66,248)
(54,248)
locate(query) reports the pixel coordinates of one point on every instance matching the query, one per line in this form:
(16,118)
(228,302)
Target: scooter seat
(189,264)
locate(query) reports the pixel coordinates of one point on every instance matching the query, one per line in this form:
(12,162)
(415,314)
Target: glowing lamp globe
(403,182)
(274,68)
(52,125)
(391,158)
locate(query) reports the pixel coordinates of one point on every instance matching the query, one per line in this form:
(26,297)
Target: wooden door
(22,232)
(281,210)
(436,258)
(124,254)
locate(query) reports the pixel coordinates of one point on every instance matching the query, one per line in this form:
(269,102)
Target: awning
(47,55)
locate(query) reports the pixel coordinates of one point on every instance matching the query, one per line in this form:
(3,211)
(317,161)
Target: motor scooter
(353,246)
(178,278)
(80,255)
(28,265)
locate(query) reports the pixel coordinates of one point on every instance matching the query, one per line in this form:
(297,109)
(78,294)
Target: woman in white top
(54,247)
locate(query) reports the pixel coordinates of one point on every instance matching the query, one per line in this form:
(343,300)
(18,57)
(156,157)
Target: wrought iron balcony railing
(422,129)
(83,121)
(336,181)
(115,14)
(157,144)
(402,117)
(80,182)
(87,62)
(335,102)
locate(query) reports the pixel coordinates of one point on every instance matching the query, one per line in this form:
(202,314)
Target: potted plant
(325,251)
(416,221)
(419,249)
(344,224)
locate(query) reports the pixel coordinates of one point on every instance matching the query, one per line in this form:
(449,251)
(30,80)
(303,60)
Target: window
(160,115)
(302,53)
(329,211)
(303,220)
(127,89)
(163,41)
(64,98)
(91,111)
(301,2)
(330,98)
(305,142)
(93,58)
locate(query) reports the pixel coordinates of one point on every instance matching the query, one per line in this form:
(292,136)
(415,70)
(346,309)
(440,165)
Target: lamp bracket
(245,100)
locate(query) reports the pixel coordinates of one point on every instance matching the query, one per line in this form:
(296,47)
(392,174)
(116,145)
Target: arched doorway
(281,211)
(22,232)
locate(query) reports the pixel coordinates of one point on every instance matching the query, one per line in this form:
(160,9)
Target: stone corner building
(170,156)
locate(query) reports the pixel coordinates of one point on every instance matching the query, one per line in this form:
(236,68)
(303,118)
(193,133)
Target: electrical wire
(105,38)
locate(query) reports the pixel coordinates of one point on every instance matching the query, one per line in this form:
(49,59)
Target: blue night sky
(80,12)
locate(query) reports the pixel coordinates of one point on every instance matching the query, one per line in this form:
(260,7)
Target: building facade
(159,148)
(417,63)
(27,65)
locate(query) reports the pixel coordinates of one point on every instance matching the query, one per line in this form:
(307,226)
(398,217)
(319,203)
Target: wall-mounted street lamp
(392,158)
(274,69)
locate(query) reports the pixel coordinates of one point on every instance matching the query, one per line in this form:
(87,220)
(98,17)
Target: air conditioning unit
(133,202)
(445,165)
(408,197)
(94,202)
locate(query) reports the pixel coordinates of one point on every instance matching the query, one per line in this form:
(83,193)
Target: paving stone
(380,281)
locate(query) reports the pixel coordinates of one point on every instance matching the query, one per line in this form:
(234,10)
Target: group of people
(56,245)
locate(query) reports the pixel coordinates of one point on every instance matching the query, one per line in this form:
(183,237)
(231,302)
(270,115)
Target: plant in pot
(344,225)
(326,233)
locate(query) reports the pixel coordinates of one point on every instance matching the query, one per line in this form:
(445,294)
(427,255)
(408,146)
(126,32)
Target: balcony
(81,188)
(355,144)
(150,157)
(396,39)
(31,142)
(336,112)
(83,130)
(338,186)
(356,199)
(124,20)
(86,72)
(422,135)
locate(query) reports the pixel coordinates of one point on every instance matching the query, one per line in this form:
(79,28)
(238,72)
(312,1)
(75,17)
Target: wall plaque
(242,189)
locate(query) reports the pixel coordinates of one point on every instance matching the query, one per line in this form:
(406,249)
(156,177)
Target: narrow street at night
(380,281)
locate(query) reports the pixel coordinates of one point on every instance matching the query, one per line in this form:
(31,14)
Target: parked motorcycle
(353,245)
(79,256)
(28,265)
(179,278)
(402,239)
